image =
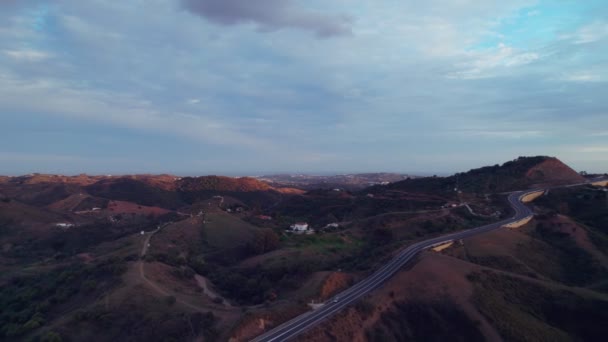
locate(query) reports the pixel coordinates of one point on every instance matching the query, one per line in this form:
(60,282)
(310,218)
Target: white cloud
(60,98)
(591,33)
(593,149)
(584,76)
(487,63)
(27,55)
(6,157)
(368,95)
(504,134)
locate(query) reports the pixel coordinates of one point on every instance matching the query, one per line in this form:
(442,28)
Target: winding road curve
(300,324)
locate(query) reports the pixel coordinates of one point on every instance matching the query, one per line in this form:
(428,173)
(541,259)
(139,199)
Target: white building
(332,225)
(299,227)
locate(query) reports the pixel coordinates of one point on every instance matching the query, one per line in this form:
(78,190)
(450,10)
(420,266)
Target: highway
(301,323)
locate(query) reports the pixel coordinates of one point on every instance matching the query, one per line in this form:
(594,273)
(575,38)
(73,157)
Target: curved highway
(299,324)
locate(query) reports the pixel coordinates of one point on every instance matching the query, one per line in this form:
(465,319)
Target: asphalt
(302,323)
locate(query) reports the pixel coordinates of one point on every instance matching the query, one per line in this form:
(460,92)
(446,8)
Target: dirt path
(476,214)
(153,285)
(202,283)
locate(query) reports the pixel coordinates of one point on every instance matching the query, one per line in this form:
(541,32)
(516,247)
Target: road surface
(298,325)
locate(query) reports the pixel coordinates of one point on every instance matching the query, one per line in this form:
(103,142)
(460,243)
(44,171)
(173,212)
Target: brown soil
(434,276)
(553,170)
(256,322)
(334,283)
(507,249)
(290,191)
(578,233)
(166,182)
(29,218)
(222,183)
(43,178)
(162,275)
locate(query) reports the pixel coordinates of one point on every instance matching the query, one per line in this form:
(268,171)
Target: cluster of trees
(578,267)
(526,310)
(586,206)
(28,302)
(155,322)
(257,285)
(264,240)
(125,189)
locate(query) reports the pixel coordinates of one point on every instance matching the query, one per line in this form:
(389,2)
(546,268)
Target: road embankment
(443,246)
(520,223)
(532,196)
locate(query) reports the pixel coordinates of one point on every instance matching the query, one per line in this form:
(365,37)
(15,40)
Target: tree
(265,240)
(170,300)
(51,336)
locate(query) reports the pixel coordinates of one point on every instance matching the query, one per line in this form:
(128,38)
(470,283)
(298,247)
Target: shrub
(51,336)
(170,300)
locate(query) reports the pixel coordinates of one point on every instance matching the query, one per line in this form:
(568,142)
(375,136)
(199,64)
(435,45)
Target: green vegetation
(265,240)
(51,336)
(158,321)
(28,302)
(223,230)
(578,267)
(498,178)
(546,252)
(322,242)
(587,206)
(257,285)
(365,307)
(525,311)
(125,189)
(416,320)
(506,263)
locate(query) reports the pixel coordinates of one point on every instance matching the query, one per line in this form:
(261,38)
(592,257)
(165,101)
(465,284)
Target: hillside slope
(546,281)
(518,174)
(221,183)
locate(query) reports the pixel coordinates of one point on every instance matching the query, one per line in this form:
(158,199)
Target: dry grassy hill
(221,183)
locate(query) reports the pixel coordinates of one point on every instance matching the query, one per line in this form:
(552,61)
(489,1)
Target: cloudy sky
(245,87)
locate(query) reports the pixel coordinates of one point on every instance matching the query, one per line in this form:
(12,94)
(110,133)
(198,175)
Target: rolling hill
(145,252)
(518,174)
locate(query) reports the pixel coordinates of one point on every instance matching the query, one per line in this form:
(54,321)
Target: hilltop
(518,174)
(222,183)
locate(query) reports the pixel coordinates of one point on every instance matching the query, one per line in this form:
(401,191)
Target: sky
(242,87)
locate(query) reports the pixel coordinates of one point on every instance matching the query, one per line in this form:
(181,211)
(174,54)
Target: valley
(214,258)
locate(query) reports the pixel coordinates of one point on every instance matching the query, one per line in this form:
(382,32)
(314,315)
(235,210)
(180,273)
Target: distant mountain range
(347,181)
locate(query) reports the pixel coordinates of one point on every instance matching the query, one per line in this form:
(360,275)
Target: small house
(299,227)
